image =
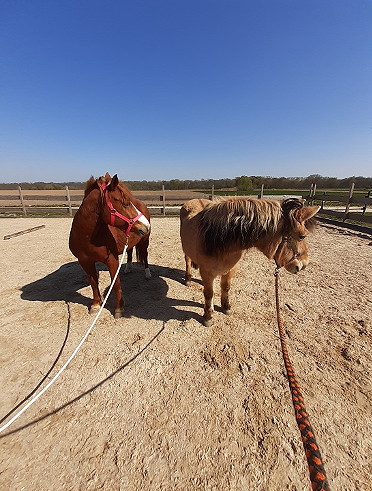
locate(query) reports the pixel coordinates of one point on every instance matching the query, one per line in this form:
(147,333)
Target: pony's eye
(302,237)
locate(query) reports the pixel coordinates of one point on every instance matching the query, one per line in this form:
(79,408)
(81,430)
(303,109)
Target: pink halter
(115,213)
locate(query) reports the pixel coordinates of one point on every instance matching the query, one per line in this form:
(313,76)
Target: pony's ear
(107,177)
(306,213)
(291,204)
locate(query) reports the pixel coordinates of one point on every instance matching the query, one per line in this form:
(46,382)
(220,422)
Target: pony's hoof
(207,322)
(94,309)
(147,273)
(226,311)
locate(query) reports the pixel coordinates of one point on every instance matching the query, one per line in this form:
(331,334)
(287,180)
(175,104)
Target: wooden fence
(30,203)
(346,207)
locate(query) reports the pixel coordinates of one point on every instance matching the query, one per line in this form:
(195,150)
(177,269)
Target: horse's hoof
(207,322)
(118,314)
(147,273)
(226,311)
(94,309)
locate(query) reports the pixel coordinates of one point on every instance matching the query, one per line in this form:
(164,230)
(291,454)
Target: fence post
(22,201)
(262,191)
(68,201)
(364,209)
(212,197)
(163,199)
(312,193)
(351,190)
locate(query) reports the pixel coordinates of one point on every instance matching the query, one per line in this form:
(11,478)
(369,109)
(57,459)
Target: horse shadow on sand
(144,299)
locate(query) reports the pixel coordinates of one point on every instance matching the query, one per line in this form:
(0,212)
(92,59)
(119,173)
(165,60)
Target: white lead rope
(34,399)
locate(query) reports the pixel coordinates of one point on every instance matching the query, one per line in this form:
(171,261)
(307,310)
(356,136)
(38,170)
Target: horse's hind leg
(90,269)
(225,288)
(208,280)
(128,266)
(113,264)
(188,271)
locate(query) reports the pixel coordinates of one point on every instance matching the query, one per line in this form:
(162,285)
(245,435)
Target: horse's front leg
(208,280)
(225,288)
(113,264)
(90,269)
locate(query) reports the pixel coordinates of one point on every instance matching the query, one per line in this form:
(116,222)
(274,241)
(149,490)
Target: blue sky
(184,89)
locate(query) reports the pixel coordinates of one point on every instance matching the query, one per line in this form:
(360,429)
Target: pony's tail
(194,265)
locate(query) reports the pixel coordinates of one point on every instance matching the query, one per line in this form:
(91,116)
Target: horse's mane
(237,221)
(91,183)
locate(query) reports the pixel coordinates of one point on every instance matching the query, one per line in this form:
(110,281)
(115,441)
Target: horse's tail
(141,251)
(194,265)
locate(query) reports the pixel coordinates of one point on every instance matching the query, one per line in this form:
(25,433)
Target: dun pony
(214,235)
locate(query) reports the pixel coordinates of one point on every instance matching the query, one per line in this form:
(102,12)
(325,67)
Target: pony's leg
(188,271)
(112,264)
(225,287)
(208,280)
(90,269)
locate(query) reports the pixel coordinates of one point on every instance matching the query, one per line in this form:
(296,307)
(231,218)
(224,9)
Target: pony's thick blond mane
(237,222)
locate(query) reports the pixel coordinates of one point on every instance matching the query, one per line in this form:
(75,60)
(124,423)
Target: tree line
(242,183)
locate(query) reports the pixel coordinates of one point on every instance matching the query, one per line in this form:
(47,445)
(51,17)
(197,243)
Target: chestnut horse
(214,235)
(109,218)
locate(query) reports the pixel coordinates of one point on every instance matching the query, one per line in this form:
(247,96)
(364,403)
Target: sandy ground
(156,401)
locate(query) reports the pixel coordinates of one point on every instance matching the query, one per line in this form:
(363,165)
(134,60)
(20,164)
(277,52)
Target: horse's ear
(306,213)
(100,181)
(114,182)
(107,177)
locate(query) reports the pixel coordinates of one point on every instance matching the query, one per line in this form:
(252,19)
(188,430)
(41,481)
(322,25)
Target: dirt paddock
(156,401)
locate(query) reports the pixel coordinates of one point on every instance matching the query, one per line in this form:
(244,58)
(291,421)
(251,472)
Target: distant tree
(244,183)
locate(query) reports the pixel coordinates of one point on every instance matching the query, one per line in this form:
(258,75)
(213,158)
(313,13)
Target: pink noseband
(114,213)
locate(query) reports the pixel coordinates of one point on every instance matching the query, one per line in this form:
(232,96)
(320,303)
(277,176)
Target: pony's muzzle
(296,266)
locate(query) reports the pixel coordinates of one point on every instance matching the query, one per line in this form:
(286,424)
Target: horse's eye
(302,237)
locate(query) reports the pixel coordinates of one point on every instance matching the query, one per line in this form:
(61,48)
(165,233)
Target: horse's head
(118,209)
(297,223)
